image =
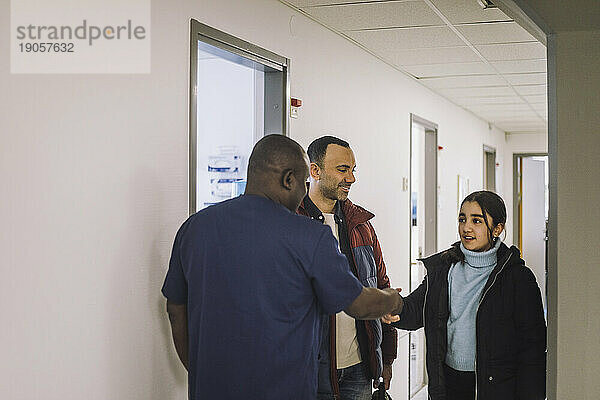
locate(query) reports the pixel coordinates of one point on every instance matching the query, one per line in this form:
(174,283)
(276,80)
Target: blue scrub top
(258,281)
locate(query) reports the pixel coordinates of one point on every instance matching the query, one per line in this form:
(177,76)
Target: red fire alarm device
(296,102)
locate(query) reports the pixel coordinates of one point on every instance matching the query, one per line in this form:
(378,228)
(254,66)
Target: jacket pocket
(501,383)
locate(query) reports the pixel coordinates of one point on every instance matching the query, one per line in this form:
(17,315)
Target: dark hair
(317,149)
(491,204)
(274,153)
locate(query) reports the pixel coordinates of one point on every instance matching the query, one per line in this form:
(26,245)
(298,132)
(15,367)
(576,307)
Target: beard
(332,191)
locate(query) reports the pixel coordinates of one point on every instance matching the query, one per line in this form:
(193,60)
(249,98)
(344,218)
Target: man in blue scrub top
(249,283)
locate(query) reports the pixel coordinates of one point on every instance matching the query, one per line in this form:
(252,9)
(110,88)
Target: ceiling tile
(526,90)
(407,38)
(467,11)
(430,70)
(470,101)
(527,79)
(494,91)
(497,32)
(512,51)
(520,66)
(375,15)
(498,108)
(538,98)
(463,81)
(312,3)
(540,107)
(441,55)
(516,117)
(409,34)
(510,127)
(527,123)
(516,124)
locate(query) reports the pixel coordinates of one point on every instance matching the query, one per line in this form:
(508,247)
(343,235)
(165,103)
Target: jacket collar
(504,253)
(344,210)
(355,214)
(313,211)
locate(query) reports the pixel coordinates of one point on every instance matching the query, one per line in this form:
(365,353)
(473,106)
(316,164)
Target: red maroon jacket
(377,342)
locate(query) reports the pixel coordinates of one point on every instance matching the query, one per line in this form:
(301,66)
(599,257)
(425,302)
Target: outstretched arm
(411,317)
(374,303)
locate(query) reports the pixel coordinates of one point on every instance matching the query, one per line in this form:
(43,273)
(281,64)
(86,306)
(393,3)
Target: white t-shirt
(347,352)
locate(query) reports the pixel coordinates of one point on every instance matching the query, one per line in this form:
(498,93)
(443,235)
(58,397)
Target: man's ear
(288,178)
(315,171)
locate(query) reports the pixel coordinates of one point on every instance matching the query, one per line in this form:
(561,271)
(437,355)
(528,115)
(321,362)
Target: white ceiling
(479,59)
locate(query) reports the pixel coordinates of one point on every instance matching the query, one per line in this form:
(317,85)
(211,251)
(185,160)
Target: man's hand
(389,318)
(387,377)
(373,303)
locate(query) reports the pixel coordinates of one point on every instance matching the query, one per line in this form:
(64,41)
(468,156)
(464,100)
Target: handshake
(373,303)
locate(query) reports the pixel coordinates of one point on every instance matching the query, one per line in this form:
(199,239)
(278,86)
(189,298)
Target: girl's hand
(389,318)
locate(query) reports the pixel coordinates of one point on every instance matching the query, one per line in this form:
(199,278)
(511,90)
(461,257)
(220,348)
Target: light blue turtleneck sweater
(465,285)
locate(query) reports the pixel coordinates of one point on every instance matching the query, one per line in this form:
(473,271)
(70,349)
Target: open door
(531,213)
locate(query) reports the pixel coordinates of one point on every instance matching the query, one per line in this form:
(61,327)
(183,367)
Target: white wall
(95,186)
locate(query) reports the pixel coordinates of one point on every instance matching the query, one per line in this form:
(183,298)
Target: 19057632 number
(47,47)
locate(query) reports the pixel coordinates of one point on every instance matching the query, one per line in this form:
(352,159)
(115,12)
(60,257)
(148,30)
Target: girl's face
(473,231)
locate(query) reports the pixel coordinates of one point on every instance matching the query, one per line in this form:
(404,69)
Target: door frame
(429,126)
(488,150)
(517,193)
(244,50)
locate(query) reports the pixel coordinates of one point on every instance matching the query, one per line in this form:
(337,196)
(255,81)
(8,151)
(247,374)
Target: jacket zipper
(332,328)
(477,312)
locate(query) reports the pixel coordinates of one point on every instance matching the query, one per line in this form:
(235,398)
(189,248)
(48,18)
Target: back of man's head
(277,169)
(272,154)
(318,148)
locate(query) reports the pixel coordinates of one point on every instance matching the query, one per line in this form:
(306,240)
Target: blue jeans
(353,381)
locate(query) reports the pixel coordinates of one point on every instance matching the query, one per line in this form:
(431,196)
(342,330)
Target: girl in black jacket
(482,313)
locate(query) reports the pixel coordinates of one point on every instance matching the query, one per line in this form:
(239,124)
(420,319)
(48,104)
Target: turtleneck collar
(481,259)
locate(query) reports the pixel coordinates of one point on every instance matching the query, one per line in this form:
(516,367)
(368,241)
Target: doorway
(423,229)
(530,207)
(239,93)
(489,168)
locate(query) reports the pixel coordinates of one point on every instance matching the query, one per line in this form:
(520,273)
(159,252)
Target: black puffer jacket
(511,330)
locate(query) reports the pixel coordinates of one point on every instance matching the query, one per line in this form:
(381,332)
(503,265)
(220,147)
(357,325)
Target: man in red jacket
(353,352)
